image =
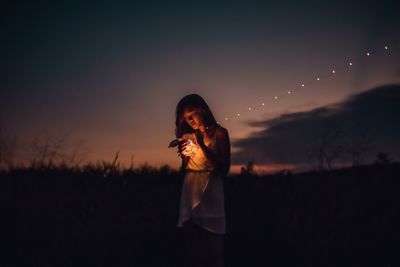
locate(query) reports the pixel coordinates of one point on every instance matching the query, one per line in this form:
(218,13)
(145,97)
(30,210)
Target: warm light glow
(276,97)
(263,104)
(386,48)
(289,92)
(191,148)
(302,85)
(351,64)
(318,79)
(368,54)
(263,169)
(333,71)
(249,108)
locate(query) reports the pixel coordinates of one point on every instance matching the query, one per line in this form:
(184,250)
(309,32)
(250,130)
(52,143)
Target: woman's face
(193,117)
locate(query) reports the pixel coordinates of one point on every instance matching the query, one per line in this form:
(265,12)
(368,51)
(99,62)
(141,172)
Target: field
(83,217)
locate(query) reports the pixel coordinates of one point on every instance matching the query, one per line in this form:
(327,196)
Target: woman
(205,161)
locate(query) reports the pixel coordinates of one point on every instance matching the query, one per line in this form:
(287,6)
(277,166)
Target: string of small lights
(331,73)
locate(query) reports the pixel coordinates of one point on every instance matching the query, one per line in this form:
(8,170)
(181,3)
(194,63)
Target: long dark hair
(192,101)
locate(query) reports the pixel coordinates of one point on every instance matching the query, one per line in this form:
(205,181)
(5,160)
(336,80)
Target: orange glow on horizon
(263,169)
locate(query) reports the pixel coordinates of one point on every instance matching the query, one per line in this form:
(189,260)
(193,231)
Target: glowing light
(350,63)
(191,148)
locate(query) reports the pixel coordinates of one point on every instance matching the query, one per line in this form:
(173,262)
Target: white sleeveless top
(202,197)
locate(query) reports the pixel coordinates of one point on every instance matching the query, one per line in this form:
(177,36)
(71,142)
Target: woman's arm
(221,160)
(185,161)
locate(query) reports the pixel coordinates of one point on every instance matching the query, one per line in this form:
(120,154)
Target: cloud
(372,116)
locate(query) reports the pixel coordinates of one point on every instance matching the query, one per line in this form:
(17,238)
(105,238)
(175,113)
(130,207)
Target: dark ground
(59,217)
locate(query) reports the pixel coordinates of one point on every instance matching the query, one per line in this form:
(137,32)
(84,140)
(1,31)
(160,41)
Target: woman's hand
(181,148)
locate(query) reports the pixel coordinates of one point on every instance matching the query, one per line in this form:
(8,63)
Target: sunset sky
(111,73)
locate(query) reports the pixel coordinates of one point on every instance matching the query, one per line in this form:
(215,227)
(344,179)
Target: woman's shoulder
(220,131)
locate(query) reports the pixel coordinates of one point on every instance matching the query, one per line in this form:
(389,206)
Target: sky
(111,74)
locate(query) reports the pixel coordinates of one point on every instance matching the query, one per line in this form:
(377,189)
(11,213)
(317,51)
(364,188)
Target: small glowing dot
(238,114)
(289,92)
(217,122)
(317,79)
(263,104)
(333,71)
(368,54)
(351,64)
(249,108)
(302,85)
(386,48)
(276,97)
(226,118)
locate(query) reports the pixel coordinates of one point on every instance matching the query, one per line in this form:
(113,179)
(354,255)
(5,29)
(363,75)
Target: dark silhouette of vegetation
(326,147)
(248,169)
(334,142)
(61,212)
(382,158)
(358,144)
(57,150)
(103,215)
(8,146)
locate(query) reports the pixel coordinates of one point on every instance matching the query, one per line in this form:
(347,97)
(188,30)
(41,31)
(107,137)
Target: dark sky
(112,72)
(364,125)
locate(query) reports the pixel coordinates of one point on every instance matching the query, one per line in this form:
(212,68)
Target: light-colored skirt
(202,200)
